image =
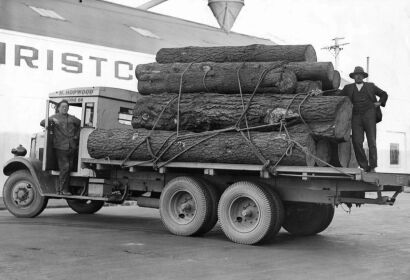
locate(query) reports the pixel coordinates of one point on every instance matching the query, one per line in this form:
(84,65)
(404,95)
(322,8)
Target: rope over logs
(238,124)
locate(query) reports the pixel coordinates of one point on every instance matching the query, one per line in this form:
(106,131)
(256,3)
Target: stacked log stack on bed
(208,89)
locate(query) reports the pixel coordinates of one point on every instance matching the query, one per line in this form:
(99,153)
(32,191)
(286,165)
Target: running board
(77,197)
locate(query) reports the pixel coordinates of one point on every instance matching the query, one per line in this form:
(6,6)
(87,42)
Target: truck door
(49,157)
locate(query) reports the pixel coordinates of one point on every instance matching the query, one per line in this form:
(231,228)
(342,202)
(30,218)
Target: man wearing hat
(366,113)
(65,143)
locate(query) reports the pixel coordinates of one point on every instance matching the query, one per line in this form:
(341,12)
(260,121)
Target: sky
(378,29)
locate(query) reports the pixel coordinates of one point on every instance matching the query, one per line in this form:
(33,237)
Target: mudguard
(45,181)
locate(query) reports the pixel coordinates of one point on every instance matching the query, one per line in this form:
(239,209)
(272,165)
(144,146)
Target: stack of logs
(191,96)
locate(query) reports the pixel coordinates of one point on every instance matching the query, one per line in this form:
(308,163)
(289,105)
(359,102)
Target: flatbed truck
(251,204)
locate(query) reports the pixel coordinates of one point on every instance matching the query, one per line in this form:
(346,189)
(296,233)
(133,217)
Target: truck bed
(385,180)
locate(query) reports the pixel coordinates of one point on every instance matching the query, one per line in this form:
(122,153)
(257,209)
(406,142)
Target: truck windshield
(74,109)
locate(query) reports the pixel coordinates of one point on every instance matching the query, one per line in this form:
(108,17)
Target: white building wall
(390,136)
(56,64)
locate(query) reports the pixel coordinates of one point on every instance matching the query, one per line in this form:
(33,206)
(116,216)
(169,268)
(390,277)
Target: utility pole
(335,49)
(367,67)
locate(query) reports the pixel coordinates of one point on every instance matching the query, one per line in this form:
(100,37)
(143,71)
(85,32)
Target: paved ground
(54,203)
(373,242)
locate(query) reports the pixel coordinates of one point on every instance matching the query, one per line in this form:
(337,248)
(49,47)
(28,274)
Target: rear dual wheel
(188,206)
(303,219)
(250,214)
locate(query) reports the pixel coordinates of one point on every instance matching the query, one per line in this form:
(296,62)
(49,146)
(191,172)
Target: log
(209,111)
(222,77)
(343,154)
(154,78)
(324,131)
(332,92)
(353,161)
(334,83)
(323,152)
(308,86)
(228,147)
(336,79)
(238,54)
(314,71)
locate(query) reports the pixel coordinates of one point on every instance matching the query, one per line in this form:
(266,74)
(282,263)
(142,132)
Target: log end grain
(310,54)
(336,80)
(344,151)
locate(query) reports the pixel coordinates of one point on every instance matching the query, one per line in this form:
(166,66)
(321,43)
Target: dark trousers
(365,123)
(65,160)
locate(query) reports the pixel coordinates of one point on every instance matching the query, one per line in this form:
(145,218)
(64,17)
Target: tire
(250,214)
(214,196)
(303,219)
(186,207)
(85,206)
(328,219)
(21,195)
(280,213)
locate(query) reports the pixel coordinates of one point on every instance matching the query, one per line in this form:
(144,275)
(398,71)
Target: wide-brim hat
(358,70)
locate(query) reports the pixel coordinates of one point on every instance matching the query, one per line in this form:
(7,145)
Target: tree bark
(154,78)
(228,147)
(238,54)
(209,111)
(324,131)
(308,86)
(314,71)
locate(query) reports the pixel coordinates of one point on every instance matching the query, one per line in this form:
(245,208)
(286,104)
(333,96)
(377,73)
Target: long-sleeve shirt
(66,131)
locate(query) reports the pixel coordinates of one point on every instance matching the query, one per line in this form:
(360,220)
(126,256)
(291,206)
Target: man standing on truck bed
(366,113)
(65,143)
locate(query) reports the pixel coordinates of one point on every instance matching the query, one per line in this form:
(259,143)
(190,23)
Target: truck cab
(96,107)
(32,180)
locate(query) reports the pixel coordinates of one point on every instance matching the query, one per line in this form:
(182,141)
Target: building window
(394,154)
(47,13)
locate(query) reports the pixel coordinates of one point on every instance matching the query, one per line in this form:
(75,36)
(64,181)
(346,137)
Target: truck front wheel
(85,206)
(21,196)
(187,207)
(249,213)
(304,219)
